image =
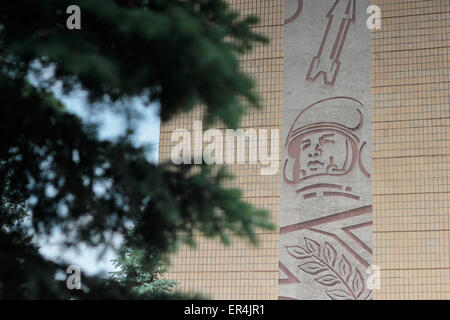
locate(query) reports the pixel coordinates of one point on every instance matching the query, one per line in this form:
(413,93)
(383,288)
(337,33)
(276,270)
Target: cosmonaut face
(322,152)
(323,140)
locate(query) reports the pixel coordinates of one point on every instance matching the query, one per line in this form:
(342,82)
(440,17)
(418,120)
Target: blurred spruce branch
(57,174)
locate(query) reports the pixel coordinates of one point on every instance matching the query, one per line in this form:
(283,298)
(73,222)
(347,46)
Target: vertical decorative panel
(326,198)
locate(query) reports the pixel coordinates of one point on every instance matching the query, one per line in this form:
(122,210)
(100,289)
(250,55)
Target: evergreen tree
(142,272)
(57,174)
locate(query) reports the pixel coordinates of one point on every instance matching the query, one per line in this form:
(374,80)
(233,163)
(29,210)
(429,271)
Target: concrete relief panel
(326,212)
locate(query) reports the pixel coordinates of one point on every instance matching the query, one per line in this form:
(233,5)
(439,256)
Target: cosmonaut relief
(326,200)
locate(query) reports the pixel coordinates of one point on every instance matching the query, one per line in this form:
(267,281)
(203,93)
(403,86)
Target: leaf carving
(297,252)
(313,268)
(342,274)
(329,253)
(338,294)
(312,246)
(358,284)
(345,269)
(369,296)
(328,280)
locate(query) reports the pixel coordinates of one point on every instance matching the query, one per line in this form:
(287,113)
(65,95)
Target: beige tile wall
(411,149)
(241,271)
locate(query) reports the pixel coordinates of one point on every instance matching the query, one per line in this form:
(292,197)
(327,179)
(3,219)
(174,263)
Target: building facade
(369,111)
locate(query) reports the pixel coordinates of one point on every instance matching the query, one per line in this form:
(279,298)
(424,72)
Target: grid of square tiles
(241,271)
(411,149)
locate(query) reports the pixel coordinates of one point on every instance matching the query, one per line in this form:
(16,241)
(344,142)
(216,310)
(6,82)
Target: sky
(111,126)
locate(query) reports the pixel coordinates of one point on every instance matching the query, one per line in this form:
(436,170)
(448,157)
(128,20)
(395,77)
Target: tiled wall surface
(410,160)
(241,271)
(411,149)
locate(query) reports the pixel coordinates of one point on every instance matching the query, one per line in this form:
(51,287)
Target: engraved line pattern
(296,14)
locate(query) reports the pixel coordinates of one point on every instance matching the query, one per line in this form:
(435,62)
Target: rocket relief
(341,15)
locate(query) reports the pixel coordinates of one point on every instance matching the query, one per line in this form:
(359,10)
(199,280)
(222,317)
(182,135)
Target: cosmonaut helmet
(323,140)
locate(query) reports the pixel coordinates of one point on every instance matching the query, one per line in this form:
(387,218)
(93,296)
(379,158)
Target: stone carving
(315,148)
(290,277)
(296,14)
(330,253)
(325,206)
(341,15)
